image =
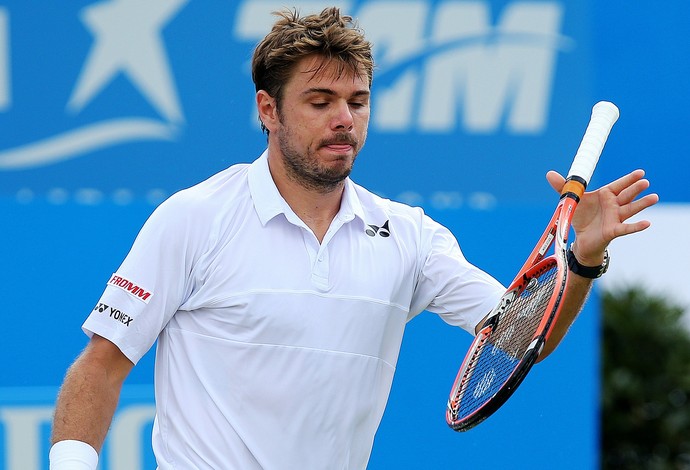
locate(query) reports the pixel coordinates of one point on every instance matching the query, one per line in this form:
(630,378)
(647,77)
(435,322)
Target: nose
(342,119)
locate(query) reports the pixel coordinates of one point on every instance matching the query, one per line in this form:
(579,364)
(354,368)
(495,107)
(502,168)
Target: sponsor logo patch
(133,289)
(373,230)
(113,313)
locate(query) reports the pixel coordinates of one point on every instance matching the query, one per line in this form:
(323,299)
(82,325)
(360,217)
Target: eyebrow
(328,91)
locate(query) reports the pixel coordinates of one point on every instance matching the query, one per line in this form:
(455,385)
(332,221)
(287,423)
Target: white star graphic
(127,39)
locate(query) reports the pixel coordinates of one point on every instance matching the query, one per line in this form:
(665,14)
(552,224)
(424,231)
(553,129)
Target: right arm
(90,393)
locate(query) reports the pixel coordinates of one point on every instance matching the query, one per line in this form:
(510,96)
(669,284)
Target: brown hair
(328,34)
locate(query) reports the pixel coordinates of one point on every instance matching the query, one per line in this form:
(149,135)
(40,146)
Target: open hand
(601,215)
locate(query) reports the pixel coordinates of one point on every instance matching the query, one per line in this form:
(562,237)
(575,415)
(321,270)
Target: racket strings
(493,363)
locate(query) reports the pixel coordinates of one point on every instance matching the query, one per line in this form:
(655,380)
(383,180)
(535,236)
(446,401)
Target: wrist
(73,455)
(589,271)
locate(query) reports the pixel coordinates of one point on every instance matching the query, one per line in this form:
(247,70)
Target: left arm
(600,217)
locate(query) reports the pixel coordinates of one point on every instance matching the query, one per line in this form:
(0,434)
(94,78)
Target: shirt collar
(269,203)
(267,200)
(350,206)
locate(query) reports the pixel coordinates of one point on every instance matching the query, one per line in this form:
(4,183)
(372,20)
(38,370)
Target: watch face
(607,260)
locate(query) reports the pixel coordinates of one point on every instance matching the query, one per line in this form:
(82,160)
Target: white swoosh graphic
(76,142)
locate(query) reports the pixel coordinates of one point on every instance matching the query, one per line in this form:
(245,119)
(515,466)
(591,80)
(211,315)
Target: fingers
(629,205)
(626,190)
(629,193)
(629,185)
(635,207)
(555,180)
(603,214)
(626,181)
(627,229)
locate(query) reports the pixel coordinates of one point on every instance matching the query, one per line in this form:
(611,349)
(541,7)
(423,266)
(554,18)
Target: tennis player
(278,291)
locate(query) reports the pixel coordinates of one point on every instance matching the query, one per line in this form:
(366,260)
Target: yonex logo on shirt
(130,287)
(114,313)
(383,231)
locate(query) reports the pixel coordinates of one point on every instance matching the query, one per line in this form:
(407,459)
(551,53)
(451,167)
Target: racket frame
(555,234)
(604,115)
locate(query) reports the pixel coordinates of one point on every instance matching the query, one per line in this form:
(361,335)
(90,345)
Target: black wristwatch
(590,272)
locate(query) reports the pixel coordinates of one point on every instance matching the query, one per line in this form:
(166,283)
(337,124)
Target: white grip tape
(604,116)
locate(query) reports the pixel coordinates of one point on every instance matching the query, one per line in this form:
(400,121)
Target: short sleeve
(150,285)
(449,285)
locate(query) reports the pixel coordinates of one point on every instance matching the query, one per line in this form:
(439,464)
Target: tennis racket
(514,333)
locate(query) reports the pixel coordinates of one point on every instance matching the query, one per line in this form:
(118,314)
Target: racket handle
(604,115)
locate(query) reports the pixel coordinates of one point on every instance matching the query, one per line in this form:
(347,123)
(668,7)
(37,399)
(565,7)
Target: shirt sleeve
(449,285)
(150,285)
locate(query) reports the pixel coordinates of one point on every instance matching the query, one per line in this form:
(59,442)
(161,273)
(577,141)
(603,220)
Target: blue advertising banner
(119,99)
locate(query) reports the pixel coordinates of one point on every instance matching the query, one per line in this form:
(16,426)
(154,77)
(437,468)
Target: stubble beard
(305,168)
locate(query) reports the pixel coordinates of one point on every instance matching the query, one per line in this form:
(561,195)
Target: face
(321,124)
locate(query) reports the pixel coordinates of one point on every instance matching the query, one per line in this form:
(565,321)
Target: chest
(276,284)
(355,261)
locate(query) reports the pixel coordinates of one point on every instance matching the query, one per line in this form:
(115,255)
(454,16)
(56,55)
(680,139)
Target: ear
(268,110)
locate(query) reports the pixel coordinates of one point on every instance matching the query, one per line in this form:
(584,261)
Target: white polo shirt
(275,351)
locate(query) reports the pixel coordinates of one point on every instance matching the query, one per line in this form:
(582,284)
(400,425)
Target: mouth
(339,148)
(340,144)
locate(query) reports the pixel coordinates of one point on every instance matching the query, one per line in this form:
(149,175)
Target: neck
(316,207)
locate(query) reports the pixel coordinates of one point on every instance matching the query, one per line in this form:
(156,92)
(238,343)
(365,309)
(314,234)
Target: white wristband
(73,455)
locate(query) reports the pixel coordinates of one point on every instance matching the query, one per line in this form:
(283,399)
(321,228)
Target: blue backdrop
(107,107)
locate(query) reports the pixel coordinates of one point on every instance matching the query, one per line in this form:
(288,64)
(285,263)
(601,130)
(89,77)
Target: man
(279,291)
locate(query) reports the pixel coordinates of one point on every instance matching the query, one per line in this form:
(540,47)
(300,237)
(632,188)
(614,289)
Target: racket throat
(574,188)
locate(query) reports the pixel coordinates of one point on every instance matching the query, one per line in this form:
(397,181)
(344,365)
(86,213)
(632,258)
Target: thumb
(555,180)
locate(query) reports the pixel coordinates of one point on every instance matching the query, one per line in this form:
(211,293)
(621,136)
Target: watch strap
(590,272)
